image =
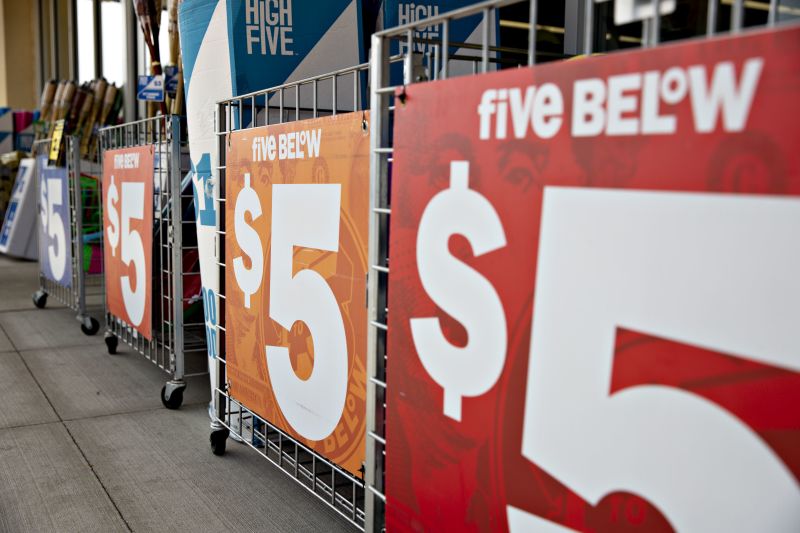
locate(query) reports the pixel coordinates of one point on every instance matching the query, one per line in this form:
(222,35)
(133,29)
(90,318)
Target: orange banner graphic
(297,223)
(128,235)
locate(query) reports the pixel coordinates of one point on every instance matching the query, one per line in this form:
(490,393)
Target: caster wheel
(40,299)
(92,329)
(218,439)
(175,399)
(111,343)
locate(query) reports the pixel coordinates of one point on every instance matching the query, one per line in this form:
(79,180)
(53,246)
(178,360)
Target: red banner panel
(594,298)
(128,235)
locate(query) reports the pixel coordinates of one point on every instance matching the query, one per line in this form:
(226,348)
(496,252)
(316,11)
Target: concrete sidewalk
(85,444)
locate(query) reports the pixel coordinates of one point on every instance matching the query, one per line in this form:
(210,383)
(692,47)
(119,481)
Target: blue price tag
(150,88)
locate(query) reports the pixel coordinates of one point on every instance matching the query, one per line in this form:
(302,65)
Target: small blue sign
(150,88)
(171,80)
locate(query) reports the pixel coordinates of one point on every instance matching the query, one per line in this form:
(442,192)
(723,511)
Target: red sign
(595,295)
(298,225)
(128,235)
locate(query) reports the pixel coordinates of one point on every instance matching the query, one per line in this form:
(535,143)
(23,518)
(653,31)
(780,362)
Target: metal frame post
(379,135)
(532,32)
(129,95)
(574,32)
(97,28)
(221,370)
(711,18)
(74,168)
(772,16)
(737,16)
(55,63)
(176,243)
(655,33)
(72,38)
(41,70)
(588,27)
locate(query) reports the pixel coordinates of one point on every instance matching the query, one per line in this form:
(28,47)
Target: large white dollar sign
(461,292)
(249,280)
(112,230)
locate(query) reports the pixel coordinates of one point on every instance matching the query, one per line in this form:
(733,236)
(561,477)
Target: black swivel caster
(111,343)
(40,299)
(172,395)
(92,328)
(218,439)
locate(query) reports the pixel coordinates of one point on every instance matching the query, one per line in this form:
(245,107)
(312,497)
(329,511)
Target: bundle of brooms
(83,108)
(97,103)
(149,14)
(175,104)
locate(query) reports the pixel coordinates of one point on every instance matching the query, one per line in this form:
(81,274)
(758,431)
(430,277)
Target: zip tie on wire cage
(402,96)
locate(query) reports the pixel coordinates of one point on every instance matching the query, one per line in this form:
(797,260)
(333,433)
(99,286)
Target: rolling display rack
(86,281)
(174,259)
(435,64)
(329,482)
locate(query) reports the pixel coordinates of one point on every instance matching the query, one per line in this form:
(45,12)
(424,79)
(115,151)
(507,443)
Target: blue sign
(11,212)
(171,79)
(150,88)
(204,207)
(272,41)
(232,47)
(11,215)
(55,236)
(466,30)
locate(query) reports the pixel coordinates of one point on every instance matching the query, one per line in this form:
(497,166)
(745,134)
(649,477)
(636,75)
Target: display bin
(83,283)
(443,58)
(311,98)
(431,59)
(177,344)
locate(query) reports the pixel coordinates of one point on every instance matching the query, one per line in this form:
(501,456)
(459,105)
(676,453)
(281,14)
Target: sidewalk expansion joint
(71,436)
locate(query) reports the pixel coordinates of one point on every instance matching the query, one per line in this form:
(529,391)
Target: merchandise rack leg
(111,342)
(40,298)
(218,438)
(172,394)
(89,325)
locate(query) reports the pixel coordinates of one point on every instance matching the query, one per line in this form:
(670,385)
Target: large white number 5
(55,229)
(133,250)
(307,216)
(721,272)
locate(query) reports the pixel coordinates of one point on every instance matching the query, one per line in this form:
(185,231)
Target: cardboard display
(18,233)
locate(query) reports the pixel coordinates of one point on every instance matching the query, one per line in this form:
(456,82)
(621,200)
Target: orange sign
(128,234)
(297,219)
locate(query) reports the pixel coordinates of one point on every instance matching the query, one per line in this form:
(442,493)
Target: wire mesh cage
(178,343)
(428,53)
(326,95)
(81,285)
